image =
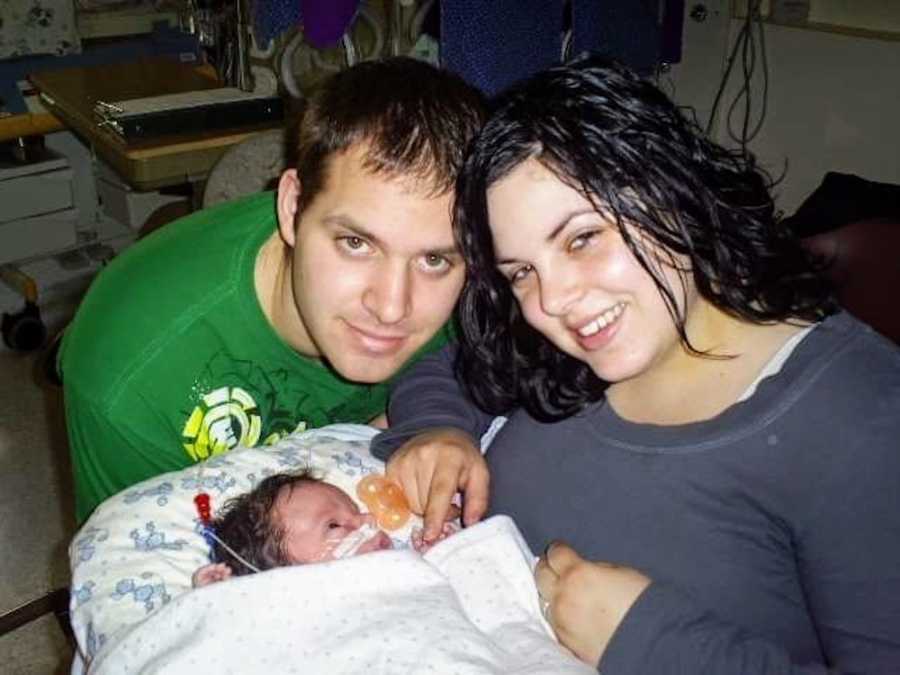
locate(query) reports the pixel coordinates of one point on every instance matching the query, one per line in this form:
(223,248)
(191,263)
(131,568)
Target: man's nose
(389,296)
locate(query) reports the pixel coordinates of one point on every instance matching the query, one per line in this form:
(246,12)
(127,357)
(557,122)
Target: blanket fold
(469,606)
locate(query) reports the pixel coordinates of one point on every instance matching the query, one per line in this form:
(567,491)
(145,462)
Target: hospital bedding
(468,606)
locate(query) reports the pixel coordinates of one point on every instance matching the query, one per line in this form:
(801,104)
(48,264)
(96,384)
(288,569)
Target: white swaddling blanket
(468,606)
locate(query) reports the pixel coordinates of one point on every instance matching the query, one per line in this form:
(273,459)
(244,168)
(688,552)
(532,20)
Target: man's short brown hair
(415,120)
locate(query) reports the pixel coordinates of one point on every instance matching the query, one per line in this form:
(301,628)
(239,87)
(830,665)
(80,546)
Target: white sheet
(468,606)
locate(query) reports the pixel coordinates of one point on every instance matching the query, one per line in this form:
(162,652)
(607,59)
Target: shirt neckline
(772,398)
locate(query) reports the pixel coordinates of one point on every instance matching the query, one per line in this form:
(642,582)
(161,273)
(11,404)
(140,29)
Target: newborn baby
(292,519)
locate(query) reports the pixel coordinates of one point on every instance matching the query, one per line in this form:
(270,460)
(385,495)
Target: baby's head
(291,519)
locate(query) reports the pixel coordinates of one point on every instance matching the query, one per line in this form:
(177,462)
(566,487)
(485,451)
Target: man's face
(375,271)
(316,518)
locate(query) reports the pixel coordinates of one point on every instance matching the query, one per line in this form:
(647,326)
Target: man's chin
(368,370)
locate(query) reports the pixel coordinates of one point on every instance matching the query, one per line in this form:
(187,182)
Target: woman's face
(576,280)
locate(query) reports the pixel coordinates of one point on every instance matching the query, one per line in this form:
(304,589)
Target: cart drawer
(38,235)
(35,194)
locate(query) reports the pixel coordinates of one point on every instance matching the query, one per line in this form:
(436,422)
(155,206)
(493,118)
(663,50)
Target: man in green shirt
(243,323)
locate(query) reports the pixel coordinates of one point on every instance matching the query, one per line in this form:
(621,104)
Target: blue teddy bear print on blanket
(161,492)
(86,545)
(146,593)
(154,540)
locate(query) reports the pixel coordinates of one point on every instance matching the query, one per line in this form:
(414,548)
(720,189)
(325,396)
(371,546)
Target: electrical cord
(750,51)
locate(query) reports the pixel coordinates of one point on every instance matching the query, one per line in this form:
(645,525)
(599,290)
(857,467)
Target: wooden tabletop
(71,93)
(28,124)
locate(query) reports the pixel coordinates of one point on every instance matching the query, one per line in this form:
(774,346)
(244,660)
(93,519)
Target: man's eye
(353,243)
(435,263)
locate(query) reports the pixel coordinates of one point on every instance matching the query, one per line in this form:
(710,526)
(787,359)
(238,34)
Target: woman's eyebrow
(557,229)
(564,222)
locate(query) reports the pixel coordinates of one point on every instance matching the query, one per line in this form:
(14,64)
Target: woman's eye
(519,275)
(583,240)
(333,525)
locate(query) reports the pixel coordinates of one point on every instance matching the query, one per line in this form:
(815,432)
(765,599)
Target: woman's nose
(559,291)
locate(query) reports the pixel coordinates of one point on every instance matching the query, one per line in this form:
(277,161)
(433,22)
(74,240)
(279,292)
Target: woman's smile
(598,332)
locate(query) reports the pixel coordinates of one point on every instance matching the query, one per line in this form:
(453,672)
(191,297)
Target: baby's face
(316,517)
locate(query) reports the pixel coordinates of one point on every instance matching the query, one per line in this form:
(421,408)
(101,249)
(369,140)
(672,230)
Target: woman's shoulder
(848,372)
(853,348)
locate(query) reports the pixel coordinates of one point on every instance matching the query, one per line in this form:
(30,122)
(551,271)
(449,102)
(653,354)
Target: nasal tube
(349,545)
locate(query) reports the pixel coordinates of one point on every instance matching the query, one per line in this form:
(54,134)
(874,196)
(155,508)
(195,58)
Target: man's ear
(287,201)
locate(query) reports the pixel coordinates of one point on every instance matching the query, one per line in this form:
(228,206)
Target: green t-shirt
(170,359)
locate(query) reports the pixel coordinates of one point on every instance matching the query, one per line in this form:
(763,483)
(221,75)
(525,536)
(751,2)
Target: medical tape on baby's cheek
(348,546)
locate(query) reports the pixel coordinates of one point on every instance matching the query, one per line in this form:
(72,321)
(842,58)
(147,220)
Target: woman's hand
(419,544)
(435,465)
(585,601)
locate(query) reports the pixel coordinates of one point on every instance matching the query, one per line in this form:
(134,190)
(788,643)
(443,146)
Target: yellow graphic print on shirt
(225,418)
(276,436)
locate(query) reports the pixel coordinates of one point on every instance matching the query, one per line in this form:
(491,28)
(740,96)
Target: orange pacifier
(385,500)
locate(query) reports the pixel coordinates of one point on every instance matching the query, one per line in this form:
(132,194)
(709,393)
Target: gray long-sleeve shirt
(772,532)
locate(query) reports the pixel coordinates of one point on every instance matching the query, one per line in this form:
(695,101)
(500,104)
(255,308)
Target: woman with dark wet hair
(715,440)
